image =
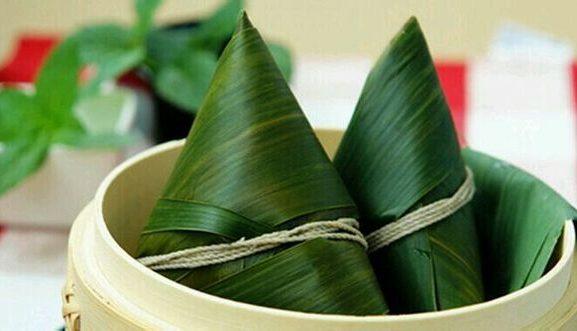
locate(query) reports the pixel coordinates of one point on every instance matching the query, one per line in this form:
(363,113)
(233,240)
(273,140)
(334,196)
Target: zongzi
(400,158)
(253,169)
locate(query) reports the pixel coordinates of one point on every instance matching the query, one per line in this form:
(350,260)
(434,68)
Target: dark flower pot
(171,121)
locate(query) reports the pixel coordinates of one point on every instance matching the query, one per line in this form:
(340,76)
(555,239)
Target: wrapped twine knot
(423,217)
(341,229)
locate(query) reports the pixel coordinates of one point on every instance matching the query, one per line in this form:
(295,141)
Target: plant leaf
(113,49)
(252,157)
(520,220)
(282,57)
(158,41)
(57,85)
(400,152)
(104,42)
(145,10)
(18,114)
(21,158)
(218,28)
(104,140)
(185,82)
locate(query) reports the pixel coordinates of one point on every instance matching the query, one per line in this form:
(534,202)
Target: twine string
(341,229)
(423,217)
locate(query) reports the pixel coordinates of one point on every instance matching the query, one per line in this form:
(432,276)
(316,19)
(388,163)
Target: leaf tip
(244,22)
(412,24)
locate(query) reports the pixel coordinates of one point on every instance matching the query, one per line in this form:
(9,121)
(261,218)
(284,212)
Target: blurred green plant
(179,62)
(32,121)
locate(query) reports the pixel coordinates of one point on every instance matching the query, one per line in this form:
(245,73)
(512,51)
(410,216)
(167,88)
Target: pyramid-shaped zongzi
(252,165)
(399,153)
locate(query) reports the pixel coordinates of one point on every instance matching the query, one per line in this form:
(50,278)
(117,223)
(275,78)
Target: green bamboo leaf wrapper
(520,220)
(252,165)
(400,152)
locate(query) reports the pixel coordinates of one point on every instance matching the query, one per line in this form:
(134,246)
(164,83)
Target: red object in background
(31,51)
(134,80)
(27,59)
(574,81)
(453,77)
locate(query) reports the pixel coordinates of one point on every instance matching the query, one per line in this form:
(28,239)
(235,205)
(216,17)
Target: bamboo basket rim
(568,246)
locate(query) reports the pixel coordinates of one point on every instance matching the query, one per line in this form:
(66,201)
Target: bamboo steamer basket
(107,289)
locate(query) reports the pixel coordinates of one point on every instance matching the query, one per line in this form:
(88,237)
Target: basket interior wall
(131,196)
